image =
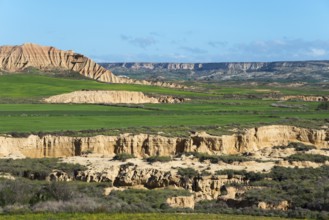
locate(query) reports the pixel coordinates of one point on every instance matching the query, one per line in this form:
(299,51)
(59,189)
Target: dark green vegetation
(214,108)
(297,146)
(323,106)
(317,158)
(123,156)
(24,195)
(223,158)
(294,185)
(161,159)
(135,216)
(187,172)
(36,168)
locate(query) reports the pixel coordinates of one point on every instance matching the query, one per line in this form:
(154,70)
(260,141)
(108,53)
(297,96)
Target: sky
(172,30)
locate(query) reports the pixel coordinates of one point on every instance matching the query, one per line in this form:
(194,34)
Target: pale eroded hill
(19,58)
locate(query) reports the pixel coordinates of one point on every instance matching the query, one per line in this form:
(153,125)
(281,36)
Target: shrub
(82,204)
(161,159)
(323,106)
(230,173)
(187,172)
(123,156)
(16,192)
(36,168)
(296,146)
(317,158)
(136,200)
(216,158)
(205,173)
(86,152)
(251,176)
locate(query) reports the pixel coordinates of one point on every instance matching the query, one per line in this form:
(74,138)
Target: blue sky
(172,30)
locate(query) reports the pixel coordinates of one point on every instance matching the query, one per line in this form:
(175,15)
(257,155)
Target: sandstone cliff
(109,97)
(142,145)
(18,58)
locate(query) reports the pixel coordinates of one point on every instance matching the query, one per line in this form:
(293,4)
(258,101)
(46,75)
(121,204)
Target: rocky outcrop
(144,145)
(283,206)
(46,58)
(130,175)
(58,176)
(305,98)
(110,97)
(209,187)
(181,202)
(106,175)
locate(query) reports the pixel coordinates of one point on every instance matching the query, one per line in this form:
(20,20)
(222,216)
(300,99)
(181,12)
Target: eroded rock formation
(301,98)
(110,97)
(181,202)
(18,58)
(143,145)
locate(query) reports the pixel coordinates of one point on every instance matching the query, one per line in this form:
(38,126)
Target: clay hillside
(46,58)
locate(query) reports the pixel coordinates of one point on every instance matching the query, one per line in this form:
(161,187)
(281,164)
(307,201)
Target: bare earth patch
(109,97)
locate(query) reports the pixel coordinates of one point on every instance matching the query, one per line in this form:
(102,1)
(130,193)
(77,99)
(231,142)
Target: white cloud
(317,52)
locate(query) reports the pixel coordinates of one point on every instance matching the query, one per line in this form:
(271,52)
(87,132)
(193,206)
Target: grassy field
(208,107)
(58,117)
(23,86)
(137,216)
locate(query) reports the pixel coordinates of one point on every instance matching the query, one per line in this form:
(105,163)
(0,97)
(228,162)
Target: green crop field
(207,108)
(23,86)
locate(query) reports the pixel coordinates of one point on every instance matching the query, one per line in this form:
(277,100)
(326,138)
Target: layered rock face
(18,58)
(109,97)
(143,145)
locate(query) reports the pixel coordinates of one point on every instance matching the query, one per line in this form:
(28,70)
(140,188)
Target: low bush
(161,159)
(317,158)
(187,172)
(251,176)
(296,146)
(123,156)
(323,106)
(217,158)
(230,173)
(36,168)
(135,200)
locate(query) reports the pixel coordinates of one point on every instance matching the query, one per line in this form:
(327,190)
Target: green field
(137,216)
(208,109)
(17,87)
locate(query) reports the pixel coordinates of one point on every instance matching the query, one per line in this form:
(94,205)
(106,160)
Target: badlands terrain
(76,137)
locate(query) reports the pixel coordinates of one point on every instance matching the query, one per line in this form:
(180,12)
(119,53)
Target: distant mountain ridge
(235,70)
